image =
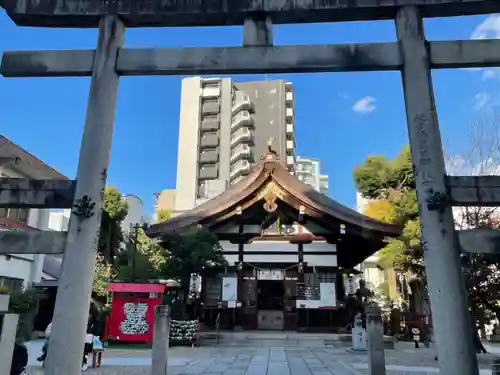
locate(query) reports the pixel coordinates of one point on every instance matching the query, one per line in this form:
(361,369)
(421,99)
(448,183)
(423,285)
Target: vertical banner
(230,290)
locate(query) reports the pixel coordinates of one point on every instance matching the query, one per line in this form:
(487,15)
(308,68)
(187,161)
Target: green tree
(141,258)
(195,252)
(103,274)
(115,209)
(390,184)
(163,215)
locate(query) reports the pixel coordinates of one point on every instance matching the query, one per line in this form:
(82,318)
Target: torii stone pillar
(439,240)
(75,284)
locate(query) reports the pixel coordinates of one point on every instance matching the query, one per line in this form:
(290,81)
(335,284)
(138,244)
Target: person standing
(45,347)
(89,339)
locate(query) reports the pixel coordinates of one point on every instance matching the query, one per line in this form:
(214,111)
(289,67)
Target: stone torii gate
(411,54)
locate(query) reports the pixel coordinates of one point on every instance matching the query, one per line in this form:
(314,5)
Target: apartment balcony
(211,107)
(210,92)
(290,133)
(208,172)
(241,119)
(209,140)
(290,145)
(290,161)
(243,135)
(242,103)
(242,151)
(289,114)
(209,157)
(210,124)
(289,97)
(241,168)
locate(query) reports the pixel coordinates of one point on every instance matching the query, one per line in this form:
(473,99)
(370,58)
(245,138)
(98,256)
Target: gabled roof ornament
(270,155)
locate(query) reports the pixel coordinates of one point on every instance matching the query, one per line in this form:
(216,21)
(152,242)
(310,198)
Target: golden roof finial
(271,154)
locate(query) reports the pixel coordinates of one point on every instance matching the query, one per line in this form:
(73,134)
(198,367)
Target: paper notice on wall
(229,289)
(328,295)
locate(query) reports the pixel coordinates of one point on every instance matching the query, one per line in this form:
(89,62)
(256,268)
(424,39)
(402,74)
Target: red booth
(133,310)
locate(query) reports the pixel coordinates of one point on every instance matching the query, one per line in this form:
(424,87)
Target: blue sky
(340,117)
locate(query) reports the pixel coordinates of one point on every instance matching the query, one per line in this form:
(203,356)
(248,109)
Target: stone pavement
(232,361)
(277,360)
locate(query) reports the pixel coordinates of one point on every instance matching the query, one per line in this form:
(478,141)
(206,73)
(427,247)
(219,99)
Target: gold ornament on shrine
(270,194)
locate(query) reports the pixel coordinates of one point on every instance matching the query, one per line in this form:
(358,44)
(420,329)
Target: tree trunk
(186,282)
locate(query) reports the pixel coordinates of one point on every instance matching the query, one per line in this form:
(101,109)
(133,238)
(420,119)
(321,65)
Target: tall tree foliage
(390,186)
(141,259)
(195,252)
(163,215)
(115,209)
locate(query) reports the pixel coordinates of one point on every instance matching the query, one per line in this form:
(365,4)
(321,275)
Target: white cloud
(490,73)
(481,100)
(488,29)
(458,166)
(365,105)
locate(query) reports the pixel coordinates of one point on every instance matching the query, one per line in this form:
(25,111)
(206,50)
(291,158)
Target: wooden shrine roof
(269,183)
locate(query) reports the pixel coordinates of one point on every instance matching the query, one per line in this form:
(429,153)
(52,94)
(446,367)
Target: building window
(13,284)
(17,214)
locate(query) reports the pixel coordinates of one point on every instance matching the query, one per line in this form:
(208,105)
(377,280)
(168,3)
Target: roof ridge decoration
(270,155)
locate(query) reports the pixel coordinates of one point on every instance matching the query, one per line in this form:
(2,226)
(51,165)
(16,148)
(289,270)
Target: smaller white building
(22,270)
(308,171)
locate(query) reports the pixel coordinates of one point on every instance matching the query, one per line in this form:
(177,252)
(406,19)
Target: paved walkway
(227,361)
(333,360)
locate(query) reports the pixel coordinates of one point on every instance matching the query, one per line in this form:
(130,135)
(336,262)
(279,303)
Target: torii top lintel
(162,13)
(268,184)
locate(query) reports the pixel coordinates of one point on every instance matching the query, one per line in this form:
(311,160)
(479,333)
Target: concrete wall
(59,220)
(164,201)
(268,98)
(187,161)
(225,128)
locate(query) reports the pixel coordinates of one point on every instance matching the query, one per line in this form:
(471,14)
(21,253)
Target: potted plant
(4,298)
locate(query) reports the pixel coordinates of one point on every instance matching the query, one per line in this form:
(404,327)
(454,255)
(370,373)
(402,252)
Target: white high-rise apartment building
(308,171)
(224,128)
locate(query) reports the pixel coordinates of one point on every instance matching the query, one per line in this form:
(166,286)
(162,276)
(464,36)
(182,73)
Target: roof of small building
(25,160)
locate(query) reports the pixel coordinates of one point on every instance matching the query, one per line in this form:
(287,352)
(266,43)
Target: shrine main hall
(288,249)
